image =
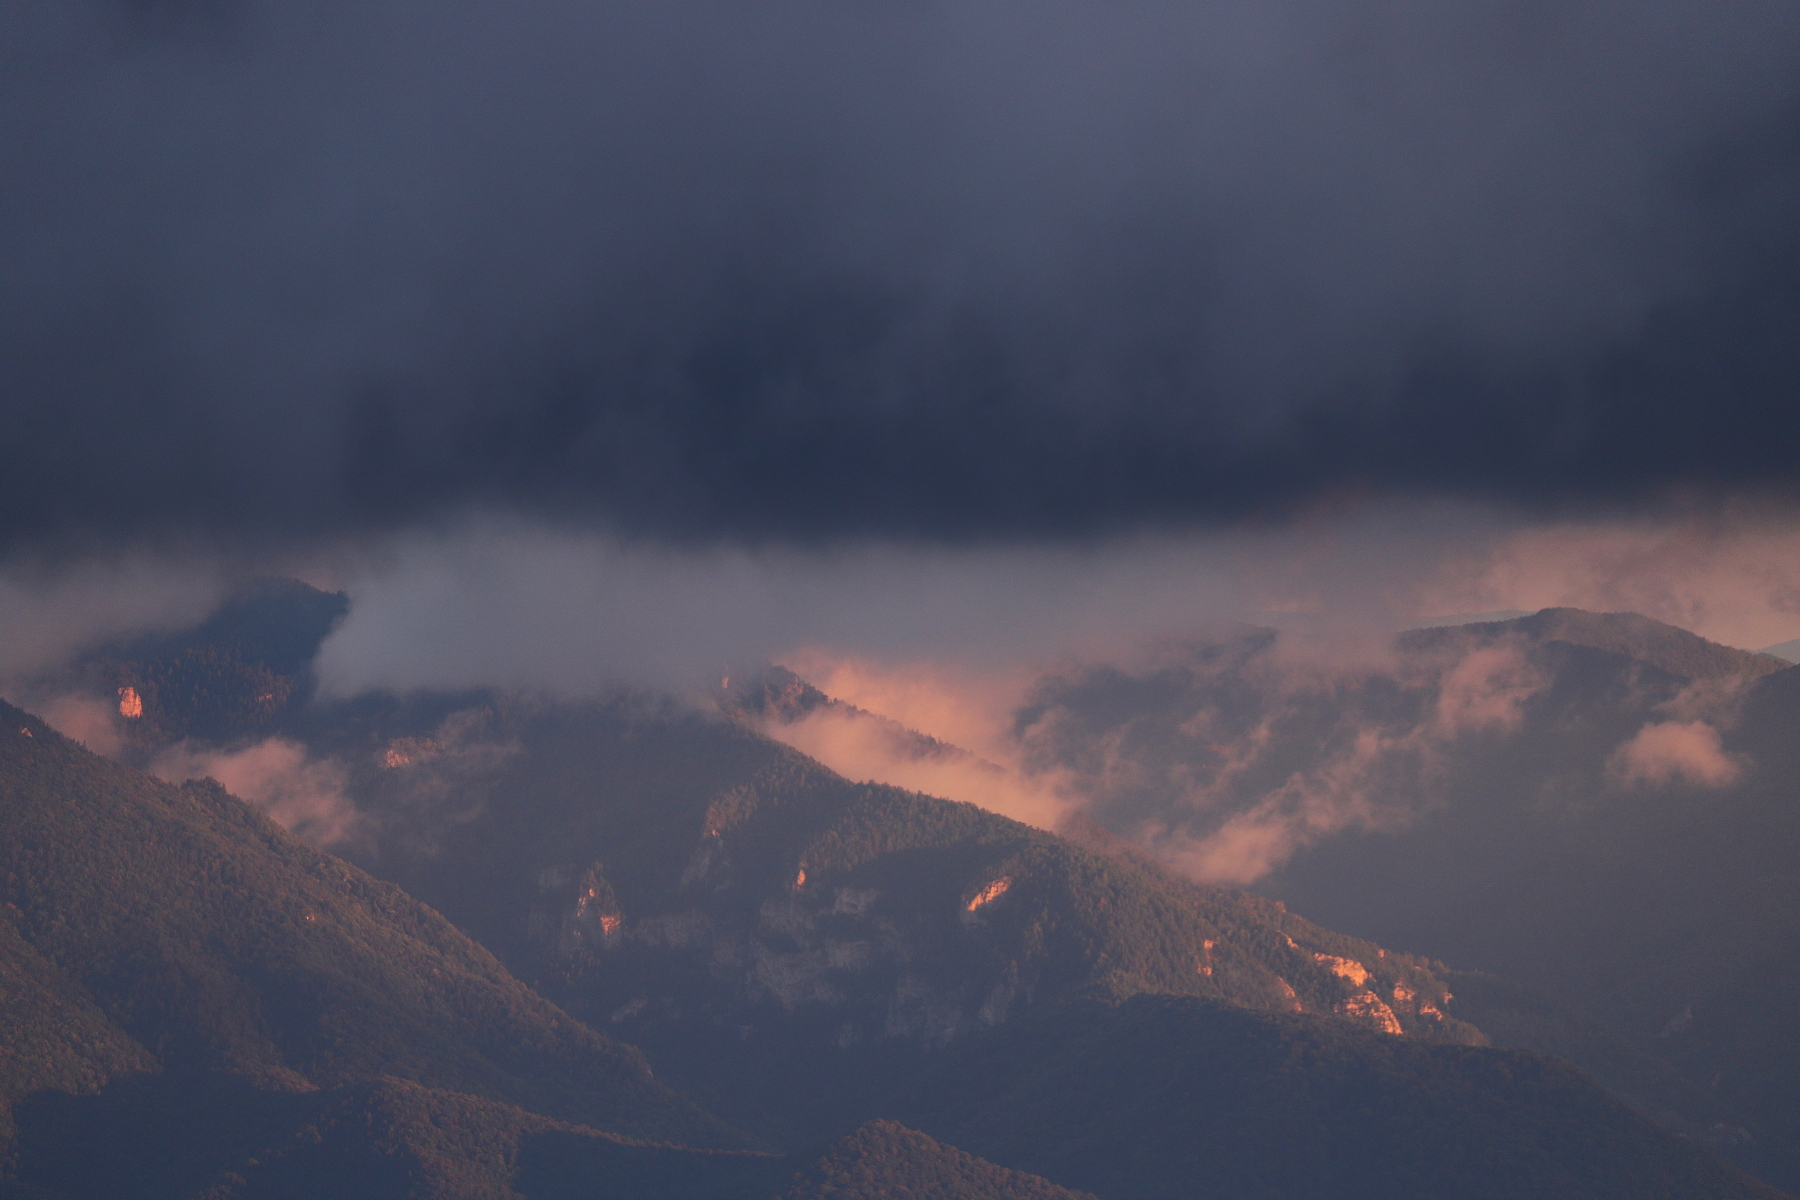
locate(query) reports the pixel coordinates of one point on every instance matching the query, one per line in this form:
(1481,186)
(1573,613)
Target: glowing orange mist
(967,710)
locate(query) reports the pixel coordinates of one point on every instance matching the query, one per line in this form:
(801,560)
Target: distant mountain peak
(1667,646)
(237,675)
(765,691)
(771,695)
(1788,651)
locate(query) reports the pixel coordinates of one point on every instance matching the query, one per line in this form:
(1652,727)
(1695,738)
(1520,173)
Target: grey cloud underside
(802,269)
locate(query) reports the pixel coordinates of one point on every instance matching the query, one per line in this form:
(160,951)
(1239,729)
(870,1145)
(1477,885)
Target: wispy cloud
(1732,575)
(858,748)
(307,796)
(1675,752)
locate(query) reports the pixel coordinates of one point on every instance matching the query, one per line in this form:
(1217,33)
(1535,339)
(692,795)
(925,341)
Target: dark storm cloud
(903,268)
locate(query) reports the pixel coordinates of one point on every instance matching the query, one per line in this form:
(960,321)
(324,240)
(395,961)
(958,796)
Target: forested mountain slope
(690,884)
(801,954)
(157,927)
(1597,805)
(1166,1097)
(196,1005)
(216,1138)
(235,675)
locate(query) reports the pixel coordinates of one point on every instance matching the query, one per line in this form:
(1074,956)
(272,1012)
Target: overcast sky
(801,271)
(586,341)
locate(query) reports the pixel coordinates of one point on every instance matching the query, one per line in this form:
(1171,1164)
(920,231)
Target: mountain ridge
(1667,646)
(1595,806)
(786,944)
(246,951)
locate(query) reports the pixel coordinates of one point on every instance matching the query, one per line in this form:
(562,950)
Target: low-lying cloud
(1675,752)
(52,609)
(91,721)
(307,796)
(518,605)
(1732,574)
(1485,690)
(939,731)
(951,642)
(1372,772)
(424,787)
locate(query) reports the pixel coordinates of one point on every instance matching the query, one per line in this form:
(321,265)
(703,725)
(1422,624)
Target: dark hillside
(210,939)
(197,1006)
(772,933)
(768,694)
(1173,1097)
(1739,923)
(217,1138)
(882,1159)
(1504,814)
(1597,806)
(803,953)
(879,1160)
(239,674)
(1668,647)
(52,1034)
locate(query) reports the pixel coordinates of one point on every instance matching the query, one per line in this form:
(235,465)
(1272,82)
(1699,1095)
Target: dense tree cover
(219,1138)
(685,816)
(237,674)
(211,939)
(1664,646)
(1166,1097)
(216,1137)
(1518,1015)
(747,915)
(793,949)
(178,976)
(796,951)
(883,1159)
(52,1034)
(1508,833)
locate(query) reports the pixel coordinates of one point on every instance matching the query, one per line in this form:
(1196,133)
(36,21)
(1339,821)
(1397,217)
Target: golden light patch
(991,892)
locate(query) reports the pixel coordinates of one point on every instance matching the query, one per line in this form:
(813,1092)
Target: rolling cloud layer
(801,271)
